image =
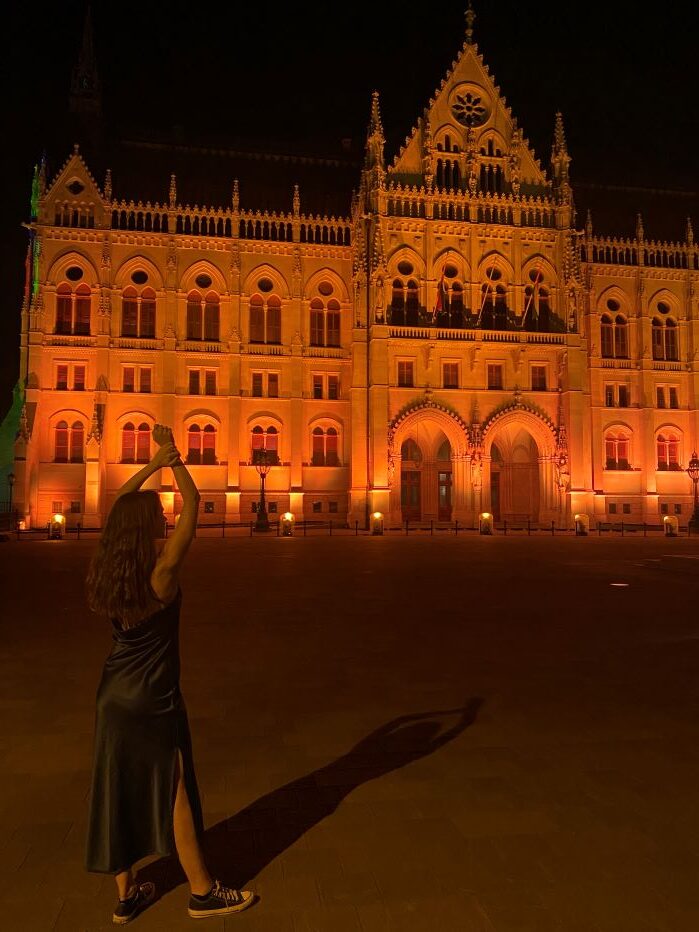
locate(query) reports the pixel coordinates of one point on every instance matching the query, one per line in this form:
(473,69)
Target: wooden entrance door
(410,501)
(444,512)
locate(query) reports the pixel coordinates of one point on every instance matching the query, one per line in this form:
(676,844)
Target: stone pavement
(406,734)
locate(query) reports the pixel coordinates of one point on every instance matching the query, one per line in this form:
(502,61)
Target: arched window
(405,295)
(77,441)
(324,451)
(212,315)
(265,319)
(138,313)
(194,315)
(143,443)
(412,302)
(201,445)
(410,452)
(493,315)
(128,443)
(73,310)
(671,341)
(621,337)
(325,322)
(616,450)
(264,441)
(61,442)
(607,329)
(668,445)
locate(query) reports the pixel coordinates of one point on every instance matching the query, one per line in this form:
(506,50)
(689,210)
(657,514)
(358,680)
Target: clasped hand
(167,453)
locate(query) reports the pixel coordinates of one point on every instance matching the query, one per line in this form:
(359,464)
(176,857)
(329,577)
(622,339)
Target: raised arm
(176,546)
(165,455)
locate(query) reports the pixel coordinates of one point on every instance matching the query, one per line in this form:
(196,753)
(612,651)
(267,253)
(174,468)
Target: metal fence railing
(10,529)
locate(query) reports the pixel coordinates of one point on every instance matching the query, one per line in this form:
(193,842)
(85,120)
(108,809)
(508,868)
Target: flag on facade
(442,296)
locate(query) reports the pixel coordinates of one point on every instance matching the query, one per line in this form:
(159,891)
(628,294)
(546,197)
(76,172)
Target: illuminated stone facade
(455,344)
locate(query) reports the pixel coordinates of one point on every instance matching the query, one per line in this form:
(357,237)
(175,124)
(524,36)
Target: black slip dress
(141,724)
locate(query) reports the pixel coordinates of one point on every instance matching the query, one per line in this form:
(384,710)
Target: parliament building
(445,334)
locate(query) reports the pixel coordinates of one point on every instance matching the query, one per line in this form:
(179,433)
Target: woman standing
(144,791)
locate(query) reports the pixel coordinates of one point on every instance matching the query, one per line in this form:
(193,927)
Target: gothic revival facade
(454,344)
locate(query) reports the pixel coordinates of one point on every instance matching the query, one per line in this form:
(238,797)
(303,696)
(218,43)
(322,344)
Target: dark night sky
(625,81)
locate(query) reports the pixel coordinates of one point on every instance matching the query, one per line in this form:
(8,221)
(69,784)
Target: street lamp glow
(58,519)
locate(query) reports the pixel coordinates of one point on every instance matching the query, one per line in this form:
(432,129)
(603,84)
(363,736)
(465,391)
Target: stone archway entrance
(515,483)
(428,466)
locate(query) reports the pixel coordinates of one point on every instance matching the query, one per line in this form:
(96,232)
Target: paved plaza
(459,734)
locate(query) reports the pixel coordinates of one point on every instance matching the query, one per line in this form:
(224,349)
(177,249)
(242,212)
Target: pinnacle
(470,17)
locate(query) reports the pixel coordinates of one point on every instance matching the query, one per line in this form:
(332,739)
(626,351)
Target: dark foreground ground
(462,735)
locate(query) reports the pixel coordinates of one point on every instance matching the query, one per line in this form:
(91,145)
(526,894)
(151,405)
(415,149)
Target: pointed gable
(467,99)
(75,194)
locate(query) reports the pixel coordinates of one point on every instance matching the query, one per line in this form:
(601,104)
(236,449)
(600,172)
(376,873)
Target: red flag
(441,293)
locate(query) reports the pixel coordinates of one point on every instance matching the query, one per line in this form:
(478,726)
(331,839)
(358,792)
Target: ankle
(203,888)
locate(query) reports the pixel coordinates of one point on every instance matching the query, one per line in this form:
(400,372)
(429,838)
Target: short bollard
(56,527)
(670,525)
(377,523)
(287,524)
(485,523)
(356,528)
(582,525)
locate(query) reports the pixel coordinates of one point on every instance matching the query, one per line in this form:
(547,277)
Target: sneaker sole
(225,911)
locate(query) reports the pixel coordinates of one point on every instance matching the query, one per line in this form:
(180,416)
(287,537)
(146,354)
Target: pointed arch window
(410,452)
(61,442)
(138,313)
(621,337)
(537,303)
(73,308)
(616,449)
(264,442)
(69,442)
(201,445)
(405,296)
(668,448)
(203,316)
(265,319)
(494,312)
(607,333)
(325,322)
(665,342)
(324,452)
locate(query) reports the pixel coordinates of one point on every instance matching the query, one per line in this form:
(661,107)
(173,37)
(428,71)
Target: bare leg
(186,841)
(124,882)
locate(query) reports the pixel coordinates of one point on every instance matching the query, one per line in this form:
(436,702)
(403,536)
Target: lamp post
(693,473)
(10,485)
(263,465)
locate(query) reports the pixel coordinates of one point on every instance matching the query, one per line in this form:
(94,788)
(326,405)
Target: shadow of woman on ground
(238,848)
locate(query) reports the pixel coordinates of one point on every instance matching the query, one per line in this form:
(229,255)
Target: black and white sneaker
(126,910)
(220,901)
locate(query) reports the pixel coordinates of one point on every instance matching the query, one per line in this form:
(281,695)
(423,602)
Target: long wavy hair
(118,581)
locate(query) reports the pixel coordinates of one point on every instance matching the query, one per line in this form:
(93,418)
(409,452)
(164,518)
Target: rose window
(469,109)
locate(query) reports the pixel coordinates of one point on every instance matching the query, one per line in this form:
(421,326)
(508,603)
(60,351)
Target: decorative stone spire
(470,18)
(236,196)
(560,160)
(375,137)
(690,232)
(588,224)
(297,201)
(95,426)
(23,432)
(640,233)
(173,191)
(35,194)
(427,160)
(108,185)
(85,96)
